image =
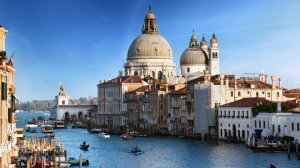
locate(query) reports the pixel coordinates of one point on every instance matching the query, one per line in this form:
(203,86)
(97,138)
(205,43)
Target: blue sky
(81,42)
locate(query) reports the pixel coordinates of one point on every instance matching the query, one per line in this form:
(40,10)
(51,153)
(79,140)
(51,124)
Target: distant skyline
(80,42)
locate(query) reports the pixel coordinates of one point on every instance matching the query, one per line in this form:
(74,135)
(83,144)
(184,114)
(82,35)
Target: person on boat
(84,143)
(133,149)
(272,166)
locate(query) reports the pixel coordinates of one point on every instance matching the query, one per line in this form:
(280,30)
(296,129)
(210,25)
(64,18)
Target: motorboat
(47,128)
(104,135)
(96,131)
(84,147)
(127,137)
(59,124)
(51,135)
(46,114)
(33,131)
(136,151)
(265,148)
(74,161)
(31,125)
(181,136)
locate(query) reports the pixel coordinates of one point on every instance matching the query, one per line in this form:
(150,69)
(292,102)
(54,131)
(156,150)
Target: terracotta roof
(248,102)
(125,79)
(152,80)
(140,89)
(94,108)
(290,104)
(296,95)
(182,91)
(294,91)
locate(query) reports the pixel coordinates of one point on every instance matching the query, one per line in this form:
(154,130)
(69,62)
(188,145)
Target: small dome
(214,40)
(203,42)
(193,38)
(62,88)
(150,15)
(193,56)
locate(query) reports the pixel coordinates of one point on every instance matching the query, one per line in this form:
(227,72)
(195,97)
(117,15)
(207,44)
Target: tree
(83,100)
(95,100)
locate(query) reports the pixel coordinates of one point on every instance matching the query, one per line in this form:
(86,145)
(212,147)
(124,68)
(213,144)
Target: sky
(80,42)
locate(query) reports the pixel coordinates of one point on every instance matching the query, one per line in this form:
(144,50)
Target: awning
(15,97)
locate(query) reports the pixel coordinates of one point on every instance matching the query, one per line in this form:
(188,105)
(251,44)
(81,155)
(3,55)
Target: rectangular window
(63,102)
(264,124)
(161,96)
(188,70)
(221,132)
(273,127)
(278,129)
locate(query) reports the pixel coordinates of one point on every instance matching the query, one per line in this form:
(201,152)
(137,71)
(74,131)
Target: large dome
(149,46)
(192,56)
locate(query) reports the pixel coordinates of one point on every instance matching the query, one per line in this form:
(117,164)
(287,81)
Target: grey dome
(193,56)
(149,46)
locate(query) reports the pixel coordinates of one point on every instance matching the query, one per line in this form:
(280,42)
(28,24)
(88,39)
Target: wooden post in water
(253,141)
(80,160)
(289,149)
(54,159)
(59,159)
(202,137)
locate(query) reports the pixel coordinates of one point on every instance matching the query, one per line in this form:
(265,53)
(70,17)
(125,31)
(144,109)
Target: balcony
(5,147)
(11,128)
(149,110)
(190,117)
(176,105)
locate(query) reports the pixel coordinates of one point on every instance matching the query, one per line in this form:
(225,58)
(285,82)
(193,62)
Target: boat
(50,164)
(46,114)
(19,111)
(265,148)
(47,128)
(136,151)
(84,147)
(181,136)
(33,131)
(52,136)
(59,125)
(104,135)
(96,131)
(74,161)
(28,129)
(127,137)
(31,125)
(116,132)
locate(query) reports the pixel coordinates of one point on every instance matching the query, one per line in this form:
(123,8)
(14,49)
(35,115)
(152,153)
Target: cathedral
(151,55)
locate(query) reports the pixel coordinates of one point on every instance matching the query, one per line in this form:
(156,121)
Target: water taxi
(104,135)
(59,124)
(47,128)
(31,125)
(127,137)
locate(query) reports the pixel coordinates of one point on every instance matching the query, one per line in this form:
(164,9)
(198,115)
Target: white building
(62,110)
(197,58)
(208,97)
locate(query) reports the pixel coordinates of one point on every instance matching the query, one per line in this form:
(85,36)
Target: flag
(11,60)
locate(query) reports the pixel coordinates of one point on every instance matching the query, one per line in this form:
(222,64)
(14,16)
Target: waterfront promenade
(161,151)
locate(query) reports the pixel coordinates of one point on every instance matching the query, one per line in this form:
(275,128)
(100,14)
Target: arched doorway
(153,74)
(135,73)
(159,75)
(80,115)
(234,130)
(67,116)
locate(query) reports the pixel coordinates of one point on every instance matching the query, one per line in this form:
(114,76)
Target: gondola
(136,151)
(84,147)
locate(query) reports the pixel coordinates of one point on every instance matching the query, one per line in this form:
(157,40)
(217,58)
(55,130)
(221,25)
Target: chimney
(280,83)
(273,82)
(167,89)
(227,83)
(259,77)
(235,79)
(120,80)
(266,80)
(104,80)
(222,79)
(116,80)
(100,82)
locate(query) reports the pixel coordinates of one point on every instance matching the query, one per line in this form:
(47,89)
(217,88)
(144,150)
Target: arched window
(135,73)
(278,94)
(161,106)
(297,126)
(213,55)
(159,75)
(221,114)
(264,124)
(188,70)
(255,123)
(292,126)
(239,94)
(80,115)
(161,118)
(153,74)
(67,115)
(259,124)
(231,93)
(257,94)
(216,55)
(269,94)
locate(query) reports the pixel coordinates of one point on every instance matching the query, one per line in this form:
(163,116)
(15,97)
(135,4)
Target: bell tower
(62,98)
(3,33)
(213,56)
(149,26)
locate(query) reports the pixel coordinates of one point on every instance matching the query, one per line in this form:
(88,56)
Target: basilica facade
(151,55)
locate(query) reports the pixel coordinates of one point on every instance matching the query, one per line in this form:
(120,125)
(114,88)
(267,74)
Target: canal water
(160,151)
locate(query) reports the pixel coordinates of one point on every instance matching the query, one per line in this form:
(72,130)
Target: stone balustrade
(5,147)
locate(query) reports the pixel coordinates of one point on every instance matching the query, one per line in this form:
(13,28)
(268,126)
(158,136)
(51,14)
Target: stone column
(273,82)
